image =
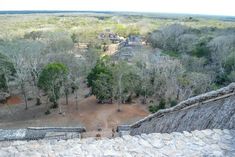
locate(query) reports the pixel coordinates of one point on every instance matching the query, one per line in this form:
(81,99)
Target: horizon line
(108,11)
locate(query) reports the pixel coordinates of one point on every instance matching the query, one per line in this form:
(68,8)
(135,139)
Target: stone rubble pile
(216,143)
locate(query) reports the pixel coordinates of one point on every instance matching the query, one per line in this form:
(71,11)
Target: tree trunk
(145,97)
(38,96)
(120,93)
(178,95)
(38,101)
(60,111)
(25,100)
(25,97)
(7,86)
(119,107)
(119,103)
(111,101)
(11,113)
(47,108)
(76,99)
(55,104)
(66,98)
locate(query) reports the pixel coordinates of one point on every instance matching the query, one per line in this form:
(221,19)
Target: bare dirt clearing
(95,116)
(88,113)
(14,100)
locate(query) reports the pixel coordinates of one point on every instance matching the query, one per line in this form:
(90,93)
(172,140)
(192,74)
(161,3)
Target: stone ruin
(212,110)
(200,126)
(37,133)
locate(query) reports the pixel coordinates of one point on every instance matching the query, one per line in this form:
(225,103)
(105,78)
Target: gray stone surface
(209,143)
(212,110)
(12,134)
(35,133)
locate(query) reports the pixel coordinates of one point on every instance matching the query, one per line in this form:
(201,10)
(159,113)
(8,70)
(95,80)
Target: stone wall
(35,133)
(204,143)
(211,110)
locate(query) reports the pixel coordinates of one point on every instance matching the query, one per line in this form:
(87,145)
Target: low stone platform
(212,143)
(36,133)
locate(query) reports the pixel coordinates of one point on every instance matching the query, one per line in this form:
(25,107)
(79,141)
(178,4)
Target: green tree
(102,87)
(100,67)
(6,71)
(52,79)
(124,82)
(100,80)
(74,38)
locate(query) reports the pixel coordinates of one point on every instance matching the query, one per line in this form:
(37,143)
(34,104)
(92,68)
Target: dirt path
(112,48)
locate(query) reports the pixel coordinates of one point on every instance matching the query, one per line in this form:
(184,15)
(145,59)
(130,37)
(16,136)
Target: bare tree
(166,38)
(220,48)
(187,43)
(22,75)
(123,82)
(36,62)
(144,64)
(77,70)
(57,42)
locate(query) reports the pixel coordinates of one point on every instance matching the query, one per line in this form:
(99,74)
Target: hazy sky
(213,7)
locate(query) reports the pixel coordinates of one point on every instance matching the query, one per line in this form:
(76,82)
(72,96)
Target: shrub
(47,112)
(154,108)
(162,104)
(172,53)
(173,103)
(221,79)
(2,82)
(201,50)
(231,76)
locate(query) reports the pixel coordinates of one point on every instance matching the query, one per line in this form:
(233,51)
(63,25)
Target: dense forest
(160,61)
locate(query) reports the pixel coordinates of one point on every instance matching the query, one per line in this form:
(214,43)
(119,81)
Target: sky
(208,7)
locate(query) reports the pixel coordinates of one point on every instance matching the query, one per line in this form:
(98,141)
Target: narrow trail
(112,48)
